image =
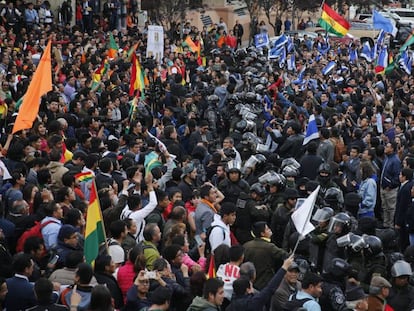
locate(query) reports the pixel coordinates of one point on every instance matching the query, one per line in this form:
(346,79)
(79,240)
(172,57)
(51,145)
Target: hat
(65,232)
(380,282)
(291,193)
(355,293)
(200,68)
(187,169)
(293,266)
(388,120)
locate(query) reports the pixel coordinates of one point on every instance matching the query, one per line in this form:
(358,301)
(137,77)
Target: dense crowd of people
(199,172)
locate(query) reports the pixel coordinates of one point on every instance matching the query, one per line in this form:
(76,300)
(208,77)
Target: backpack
(295,304)
(35,231)
(207,241)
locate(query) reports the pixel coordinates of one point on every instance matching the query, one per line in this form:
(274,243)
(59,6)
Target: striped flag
(329,67)
(192,46)
(332,22)
(211,273)
(137,81)
(83,177)
(113,47)
(66,154)
(367,52)
(382,61)
(94,232)
(312,130)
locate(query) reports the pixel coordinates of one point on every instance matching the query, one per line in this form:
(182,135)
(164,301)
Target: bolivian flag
(81,177)
(94,233)
(113,47)
(66,154)
(137,81)
(211,273)
(332,22)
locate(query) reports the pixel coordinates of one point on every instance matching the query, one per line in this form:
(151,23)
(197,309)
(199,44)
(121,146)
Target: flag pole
(305,223)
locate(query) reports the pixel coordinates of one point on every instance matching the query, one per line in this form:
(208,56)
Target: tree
(168,12)
(278,7)
(253,6)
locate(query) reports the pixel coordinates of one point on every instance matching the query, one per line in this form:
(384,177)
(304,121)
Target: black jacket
(113,287)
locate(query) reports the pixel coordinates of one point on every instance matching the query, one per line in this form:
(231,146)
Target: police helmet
(334,196)
(290,171)
(324,168)
(373,246)
(213,98)
(290,162)
(401,268)
(339,268)
(258,188)
(323,214)
(342,220)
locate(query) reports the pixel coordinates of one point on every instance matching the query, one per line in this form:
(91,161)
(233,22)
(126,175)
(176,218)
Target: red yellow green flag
(192,46)
(81,177)
(94,232)
(66,154)
(332,22)
(113,47)
(137,81)
(41,84)
(211,273)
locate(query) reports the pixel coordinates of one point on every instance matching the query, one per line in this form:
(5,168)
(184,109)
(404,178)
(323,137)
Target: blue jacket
(390,172)
(21,294)
(368,193)
(257,301)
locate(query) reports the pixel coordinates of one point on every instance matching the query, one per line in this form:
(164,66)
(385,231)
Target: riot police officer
(401,295)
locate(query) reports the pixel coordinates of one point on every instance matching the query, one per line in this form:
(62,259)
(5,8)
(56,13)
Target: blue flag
(275,52)
(367,52)
(281,41)
(405,62)
(311,130)
(328,68)
(261,39)
(381,22)
(282,58)
(291,62)
(353,55)
(290,45)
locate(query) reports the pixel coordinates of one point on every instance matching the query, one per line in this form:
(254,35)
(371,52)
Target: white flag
(302,215)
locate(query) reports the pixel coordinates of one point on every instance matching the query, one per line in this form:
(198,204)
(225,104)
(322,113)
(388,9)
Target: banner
(155,45)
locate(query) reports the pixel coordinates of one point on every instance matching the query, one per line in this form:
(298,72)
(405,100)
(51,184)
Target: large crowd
(199,172)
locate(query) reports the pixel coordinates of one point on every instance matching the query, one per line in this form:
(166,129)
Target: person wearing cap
(389,183)
(379,289)
(220,232)
(188,181)
(282,215)
(289,286)
(356,299)
(389,133)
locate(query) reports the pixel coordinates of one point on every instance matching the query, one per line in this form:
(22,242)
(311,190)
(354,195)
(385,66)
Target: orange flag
(41,84)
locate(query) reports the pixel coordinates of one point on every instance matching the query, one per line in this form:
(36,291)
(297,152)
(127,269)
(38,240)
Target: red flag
(211,268)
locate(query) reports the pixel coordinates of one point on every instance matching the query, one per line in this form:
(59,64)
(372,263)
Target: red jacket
(125,277)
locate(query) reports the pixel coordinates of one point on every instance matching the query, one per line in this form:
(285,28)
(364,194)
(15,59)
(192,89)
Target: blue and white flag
(380,38)
(382,61)
(281,41)
(312,130)
(301,75)
(367,52)
(324,46)
(275,52)
(353,55)
(381,22)
(282,58)
(291,63)
(405,62)
(290,46)
(261,40)
(329,67)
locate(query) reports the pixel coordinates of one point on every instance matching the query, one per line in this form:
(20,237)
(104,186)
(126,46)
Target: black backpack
(207,249)
(295,304)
